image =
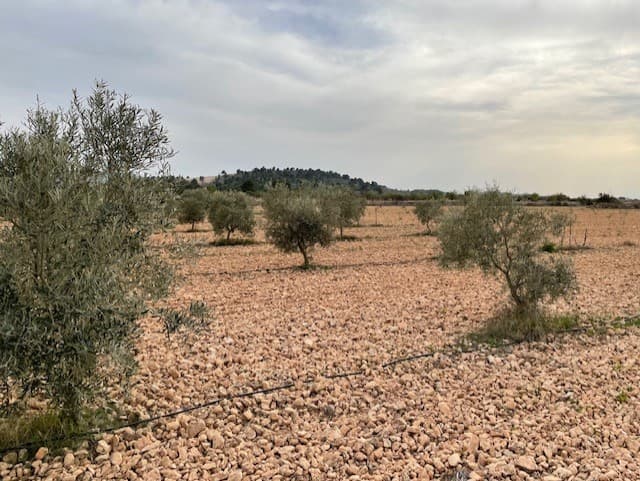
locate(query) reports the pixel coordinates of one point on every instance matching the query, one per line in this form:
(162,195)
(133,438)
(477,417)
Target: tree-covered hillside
(259,179)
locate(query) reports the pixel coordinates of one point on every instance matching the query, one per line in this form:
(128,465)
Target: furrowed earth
(566,408)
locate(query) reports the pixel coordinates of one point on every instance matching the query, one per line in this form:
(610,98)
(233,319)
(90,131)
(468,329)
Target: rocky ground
(568,408)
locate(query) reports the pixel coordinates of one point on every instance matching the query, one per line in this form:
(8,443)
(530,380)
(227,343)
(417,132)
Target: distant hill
(260,179)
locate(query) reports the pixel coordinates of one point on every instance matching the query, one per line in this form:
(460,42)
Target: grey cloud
(410,93)
(334,23)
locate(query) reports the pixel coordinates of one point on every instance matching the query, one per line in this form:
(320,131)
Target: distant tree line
(259,180)
(604,200)
(181,184)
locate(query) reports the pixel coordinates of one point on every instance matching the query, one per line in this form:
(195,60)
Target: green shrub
(298,220)
(195,319)
(75,269)
(549,247)
(51,429)
(230,212)
(345,205)
(428,212)
(504,238)
(623,396)
(192,207)
(515,325)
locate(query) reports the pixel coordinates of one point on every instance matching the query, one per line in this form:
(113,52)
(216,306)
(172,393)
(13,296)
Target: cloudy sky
(538,95)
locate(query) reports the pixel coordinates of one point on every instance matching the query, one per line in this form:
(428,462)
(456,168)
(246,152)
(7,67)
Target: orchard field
(566,408)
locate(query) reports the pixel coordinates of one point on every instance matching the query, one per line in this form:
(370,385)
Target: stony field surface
(560,410)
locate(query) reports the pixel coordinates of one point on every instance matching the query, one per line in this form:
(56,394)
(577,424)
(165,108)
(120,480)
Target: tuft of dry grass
(49,429)
(513,326)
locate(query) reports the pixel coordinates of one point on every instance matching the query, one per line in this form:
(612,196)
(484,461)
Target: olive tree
(192,207)
(230,212)
(504,238)
(428,211)
(75,270)
(345,206)
(297,220)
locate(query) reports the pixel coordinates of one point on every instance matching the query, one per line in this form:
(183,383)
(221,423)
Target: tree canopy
(297,220)
(230,212)
(500,236)
(192,206)
(75,271)
(428,212)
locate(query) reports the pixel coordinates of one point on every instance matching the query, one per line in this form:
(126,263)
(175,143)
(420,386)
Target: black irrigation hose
(87,434)
(213,402)
(407,359)
(148,420)
(343,375)
(282,387)
(159,417)
(268,270)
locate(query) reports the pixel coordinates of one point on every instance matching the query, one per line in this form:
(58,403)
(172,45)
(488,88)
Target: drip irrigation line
(140,422)
(269,270)
(343,375)
(213,402)
(151,419)
(407,359)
